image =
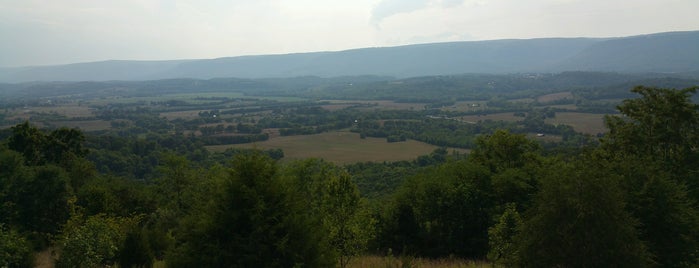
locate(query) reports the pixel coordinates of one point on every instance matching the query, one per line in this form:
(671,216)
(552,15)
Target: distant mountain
(659,53)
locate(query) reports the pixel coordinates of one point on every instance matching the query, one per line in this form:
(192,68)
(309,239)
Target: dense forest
(148,193)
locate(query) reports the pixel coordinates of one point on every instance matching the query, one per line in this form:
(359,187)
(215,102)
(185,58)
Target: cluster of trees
(630,200)
(249,212)
(453,133)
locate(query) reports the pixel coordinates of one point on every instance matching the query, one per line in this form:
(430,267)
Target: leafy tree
(334,200)
(442,212)
(515,163)
(64,144)
(12,174)
(578,220)
(503,150)
(669,222)
(252,220)
(662,124)
(93,241)
(59,147)
(654,149)
(177,177)
(29,141)
(502,235)
(15,250)
(44,199)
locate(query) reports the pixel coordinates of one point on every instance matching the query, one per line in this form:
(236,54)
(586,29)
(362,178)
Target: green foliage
(515,162)
(501,237)
(664,125)
(669,222)
(29,141)
(630,202)
(15,250)
(578,220)
(93,241)
(441,212)
(334,199)
(253,220)
(59,147)
(43,199)
(654,148)
(177,178)
(33,199)
(503,150)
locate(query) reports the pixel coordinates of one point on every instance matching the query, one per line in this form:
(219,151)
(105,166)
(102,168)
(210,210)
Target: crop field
(340,147)
(583,122)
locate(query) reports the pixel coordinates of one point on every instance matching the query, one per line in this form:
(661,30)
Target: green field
(582,122)
(340,147)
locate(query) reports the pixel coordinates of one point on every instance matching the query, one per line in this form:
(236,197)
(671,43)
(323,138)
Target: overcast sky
(42,32)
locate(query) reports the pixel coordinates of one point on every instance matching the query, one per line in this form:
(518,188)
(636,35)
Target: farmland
(584,122)
(340,147)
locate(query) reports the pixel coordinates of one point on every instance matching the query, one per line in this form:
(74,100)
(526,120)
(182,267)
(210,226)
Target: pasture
(583,122)
(340,147)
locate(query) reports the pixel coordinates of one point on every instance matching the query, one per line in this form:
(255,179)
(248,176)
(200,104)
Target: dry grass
(397,262)
(340,147)
(582,122)
(45,259)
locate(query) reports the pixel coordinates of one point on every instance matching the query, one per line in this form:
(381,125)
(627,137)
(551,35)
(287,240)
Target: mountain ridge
(660,52)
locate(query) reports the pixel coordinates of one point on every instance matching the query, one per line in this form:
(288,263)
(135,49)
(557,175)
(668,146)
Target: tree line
(629,200)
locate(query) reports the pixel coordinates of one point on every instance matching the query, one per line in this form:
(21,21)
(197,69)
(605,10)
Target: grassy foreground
(399,262)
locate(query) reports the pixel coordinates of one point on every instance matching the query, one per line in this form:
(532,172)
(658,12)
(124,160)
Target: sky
(48,32)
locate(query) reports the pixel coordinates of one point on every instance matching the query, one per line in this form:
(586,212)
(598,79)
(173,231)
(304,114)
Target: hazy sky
(40,32)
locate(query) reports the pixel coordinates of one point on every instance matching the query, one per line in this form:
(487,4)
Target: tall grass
(409,262)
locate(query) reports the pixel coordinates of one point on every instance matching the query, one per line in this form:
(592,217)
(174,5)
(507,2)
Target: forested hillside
(145,193)
(669,52)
